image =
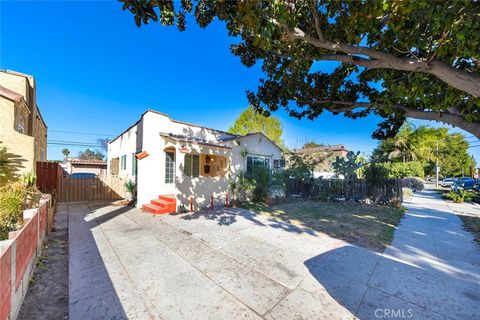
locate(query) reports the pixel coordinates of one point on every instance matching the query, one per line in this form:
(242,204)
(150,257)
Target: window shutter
(195,165)
(187,165)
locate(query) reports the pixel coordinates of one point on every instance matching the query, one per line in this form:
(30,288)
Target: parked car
(82,175)
(471,185)
(459,184)
(447,182)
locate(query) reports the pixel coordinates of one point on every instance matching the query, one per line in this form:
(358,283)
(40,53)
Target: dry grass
(364,225)
(472,224)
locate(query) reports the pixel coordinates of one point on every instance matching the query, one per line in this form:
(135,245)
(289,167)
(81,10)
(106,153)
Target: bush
(261,180)
(413,183)
(459,196)
(398,170)
(375,174)
(12,204)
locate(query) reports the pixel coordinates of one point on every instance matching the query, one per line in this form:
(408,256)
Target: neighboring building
(98,167)
(22,129)
(324,169)
(181,160)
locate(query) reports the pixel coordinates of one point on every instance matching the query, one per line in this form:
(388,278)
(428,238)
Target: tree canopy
(420,145)
(89,154)
(251,121)
(396,59)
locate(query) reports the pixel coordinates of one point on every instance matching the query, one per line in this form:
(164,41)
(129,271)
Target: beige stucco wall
(32,146)
(20,147)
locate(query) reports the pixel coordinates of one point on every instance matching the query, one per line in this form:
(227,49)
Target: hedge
(398,170)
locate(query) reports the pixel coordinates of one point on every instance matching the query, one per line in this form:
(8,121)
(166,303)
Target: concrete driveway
(233,264)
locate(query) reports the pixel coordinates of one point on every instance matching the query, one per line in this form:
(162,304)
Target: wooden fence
(52,179)
(389,192)
(90,189)
(48,174)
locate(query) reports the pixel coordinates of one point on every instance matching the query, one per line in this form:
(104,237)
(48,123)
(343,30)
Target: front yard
(369,226)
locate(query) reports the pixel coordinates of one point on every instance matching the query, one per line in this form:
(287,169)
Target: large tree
(427,145)
(250,121)
(89,154)
(397,58)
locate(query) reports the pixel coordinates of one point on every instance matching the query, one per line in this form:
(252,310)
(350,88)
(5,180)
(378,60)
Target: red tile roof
(94,162)
(9,94)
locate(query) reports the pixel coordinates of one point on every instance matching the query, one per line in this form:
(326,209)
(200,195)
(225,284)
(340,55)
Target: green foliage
(130,186)
(459,196)
(12,204)
(244,186)
(251,121)
(397,170)
(300,166)
(261,181)
(5,171)
(375,174)
(421,144)
(91,155)
(394,57)
(349,165)
(28,180)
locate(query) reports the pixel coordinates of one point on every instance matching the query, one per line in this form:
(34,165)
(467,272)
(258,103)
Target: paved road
(232,264)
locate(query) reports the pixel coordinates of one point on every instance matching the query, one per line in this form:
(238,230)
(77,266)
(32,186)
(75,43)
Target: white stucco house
(173,161)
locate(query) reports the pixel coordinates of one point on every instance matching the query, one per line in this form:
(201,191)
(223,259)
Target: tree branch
(317,20)
(459,79)
(454,119)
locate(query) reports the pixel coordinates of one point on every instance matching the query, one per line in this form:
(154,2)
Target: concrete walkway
(233,264)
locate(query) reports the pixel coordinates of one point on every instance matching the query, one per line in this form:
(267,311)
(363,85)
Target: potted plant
(130,187)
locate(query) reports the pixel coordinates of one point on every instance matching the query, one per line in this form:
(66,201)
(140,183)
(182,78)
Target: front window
(254,162)
(169,167)
(21,125)
(134,165)
(191,166)
(123,162)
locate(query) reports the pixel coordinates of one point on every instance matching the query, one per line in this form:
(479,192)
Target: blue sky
(96,73)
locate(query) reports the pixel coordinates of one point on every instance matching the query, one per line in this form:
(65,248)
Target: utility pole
(437,169)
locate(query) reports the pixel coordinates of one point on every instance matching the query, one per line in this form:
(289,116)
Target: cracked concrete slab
(234,264)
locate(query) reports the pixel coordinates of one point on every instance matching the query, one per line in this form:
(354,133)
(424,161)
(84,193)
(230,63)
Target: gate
(51,178)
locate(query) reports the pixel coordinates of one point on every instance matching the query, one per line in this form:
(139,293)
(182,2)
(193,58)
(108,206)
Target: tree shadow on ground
(91,292)
(223,216)
(363,282)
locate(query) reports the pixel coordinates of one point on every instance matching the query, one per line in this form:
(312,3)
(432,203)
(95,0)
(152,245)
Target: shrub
(244,186)
(12,203)
(459,196)
(398,170)
(413,183)
(130,186)
(261,180)
(375,174)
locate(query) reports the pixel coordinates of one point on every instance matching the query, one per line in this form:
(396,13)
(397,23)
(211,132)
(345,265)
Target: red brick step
(162,205)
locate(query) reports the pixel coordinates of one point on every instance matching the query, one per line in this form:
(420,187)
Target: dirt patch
(47,296)
(370,226)
(472,224)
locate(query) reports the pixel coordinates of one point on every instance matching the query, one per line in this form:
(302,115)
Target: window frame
(134,165)
(254,159)
(123,162)
(169,165)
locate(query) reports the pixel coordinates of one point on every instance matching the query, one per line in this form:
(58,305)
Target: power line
(84,133)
